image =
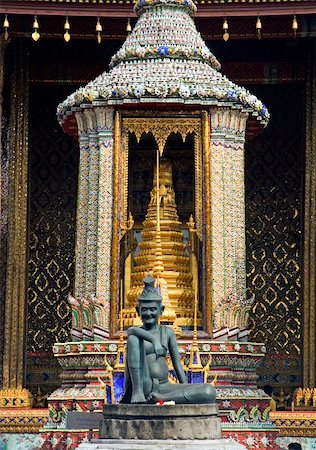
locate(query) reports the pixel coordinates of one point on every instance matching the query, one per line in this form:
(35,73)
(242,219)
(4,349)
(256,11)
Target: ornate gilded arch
(160,128)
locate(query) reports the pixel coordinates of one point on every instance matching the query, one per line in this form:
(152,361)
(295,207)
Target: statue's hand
(159,350)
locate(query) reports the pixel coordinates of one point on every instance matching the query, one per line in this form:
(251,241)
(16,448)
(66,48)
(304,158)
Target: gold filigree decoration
(15,398)
(115,223)
(161,128)
(53,158)
(198,184)
(274,222)
(124,181)
(208,219)
(107,382)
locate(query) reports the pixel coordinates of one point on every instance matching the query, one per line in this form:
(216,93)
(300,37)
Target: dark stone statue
(146,370)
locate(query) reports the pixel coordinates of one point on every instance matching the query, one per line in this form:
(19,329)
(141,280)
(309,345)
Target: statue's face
(149,312)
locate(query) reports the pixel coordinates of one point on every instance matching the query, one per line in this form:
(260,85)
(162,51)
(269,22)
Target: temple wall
(53,175)
(274,207)
(309,281)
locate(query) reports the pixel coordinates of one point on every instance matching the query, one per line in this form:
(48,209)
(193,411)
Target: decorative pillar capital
(81,123)
(104,119)
(228,121)
(90,120)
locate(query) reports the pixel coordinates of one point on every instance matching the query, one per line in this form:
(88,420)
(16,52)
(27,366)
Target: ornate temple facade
(79,205)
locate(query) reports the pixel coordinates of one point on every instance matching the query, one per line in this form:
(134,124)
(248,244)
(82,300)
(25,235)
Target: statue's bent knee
(209,391)
(132,341)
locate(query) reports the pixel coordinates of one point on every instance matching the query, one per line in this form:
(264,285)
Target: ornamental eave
(255,123)
(122,8)
(103,2)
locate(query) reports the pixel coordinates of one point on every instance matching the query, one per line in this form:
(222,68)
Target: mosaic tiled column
(82,211)
(105,209)
(92,206)
(228,218)
(90,304)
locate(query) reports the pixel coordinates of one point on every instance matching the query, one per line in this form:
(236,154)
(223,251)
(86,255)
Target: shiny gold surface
(198,189)
(208,219)
(124,180)
(168,316)
(15,311)
(115,224)
(174,258)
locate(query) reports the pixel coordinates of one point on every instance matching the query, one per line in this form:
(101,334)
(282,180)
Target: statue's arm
(175,357)
(146,336)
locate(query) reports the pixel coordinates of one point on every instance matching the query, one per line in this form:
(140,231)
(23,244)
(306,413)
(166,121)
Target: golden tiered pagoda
(176,263)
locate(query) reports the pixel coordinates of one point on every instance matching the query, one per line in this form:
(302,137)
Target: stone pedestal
(144,422)
(128,444)
(167,427)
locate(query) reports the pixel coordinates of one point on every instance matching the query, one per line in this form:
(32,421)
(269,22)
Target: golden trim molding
(16,284)
(309,295)
(115,275)
(22,420)
(208,220)
(124,181)
(198,171)
(294,423)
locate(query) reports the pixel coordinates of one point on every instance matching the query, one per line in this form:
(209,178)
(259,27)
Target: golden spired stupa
(176,272)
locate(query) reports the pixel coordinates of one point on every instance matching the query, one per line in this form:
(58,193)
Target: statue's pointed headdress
(150,292)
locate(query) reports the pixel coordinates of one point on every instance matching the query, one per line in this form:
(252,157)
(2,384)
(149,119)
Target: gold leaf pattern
(273,222)
(53,161)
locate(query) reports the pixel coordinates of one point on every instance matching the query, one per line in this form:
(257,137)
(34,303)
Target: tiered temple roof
(164,60)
